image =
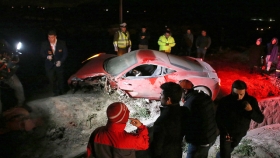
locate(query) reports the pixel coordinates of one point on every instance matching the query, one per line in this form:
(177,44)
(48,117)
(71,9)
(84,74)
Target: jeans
(198,151)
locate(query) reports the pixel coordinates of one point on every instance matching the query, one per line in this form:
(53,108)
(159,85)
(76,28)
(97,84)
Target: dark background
(88,26)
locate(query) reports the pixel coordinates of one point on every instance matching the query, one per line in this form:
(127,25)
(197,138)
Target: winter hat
(117,113)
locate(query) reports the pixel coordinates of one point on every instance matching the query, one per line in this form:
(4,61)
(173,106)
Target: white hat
(123,24)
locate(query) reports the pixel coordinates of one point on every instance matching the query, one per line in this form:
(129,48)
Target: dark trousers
(226,147)
(122,51)
(56,79)
(201,53)
(198,151)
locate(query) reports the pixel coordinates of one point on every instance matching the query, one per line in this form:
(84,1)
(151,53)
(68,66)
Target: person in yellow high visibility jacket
(165,42)
(122,42)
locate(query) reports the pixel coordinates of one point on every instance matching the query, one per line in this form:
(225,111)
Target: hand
(58,64)
(142,37)
(167,44)
(248,106)
(129,49)
(116,49)
(49,57)
(135,122)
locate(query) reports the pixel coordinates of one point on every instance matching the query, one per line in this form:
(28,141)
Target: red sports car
(141,72)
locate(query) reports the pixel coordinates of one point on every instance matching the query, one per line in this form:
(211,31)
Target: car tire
(204,89)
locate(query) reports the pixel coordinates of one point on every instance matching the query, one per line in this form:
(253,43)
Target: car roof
(170,59)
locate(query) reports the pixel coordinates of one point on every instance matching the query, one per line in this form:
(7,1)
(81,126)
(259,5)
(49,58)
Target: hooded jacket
(272,50)
(112,141)
(162,41)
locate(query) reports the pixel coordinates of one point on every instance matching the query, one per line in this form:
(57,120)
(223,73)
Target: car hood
(93,67)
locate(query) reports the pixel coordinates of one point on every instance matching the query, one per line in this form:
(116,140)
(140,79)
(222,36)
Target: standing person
(112,140)
(234,114)
(55,52)
(203,42)
(272,53)
(256,51)
(144,37)
(165,42)
(9,65)
(167,137)
(187,42)
(199,124)
(122,42)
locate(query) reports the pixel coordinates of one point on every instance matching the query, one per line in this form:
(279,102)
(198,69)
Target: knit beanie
(117,113)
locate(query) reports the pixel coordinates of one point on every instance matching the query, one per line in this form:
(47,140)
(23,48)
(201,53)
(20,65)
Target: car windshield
(181,62)
(115,66)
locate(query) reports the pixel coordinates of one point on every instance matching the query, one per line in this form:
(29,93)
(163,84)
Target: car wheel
(204,89)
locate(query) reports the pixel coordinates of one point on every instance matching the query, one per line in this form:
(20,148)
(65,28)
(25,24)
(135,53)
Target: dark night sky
(267,7)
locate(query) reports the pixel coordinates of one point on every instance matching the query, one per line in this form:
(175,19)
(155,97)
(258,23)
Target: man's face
(188,31)
(203,33)
(143,29)
(258,42)
(164,101)
(239,93)
(167,35)
(123,29)
(52,38)
(273,41)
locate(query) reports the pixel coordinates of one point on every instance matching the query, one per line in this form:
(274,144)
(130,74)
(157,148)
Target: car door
(142,86)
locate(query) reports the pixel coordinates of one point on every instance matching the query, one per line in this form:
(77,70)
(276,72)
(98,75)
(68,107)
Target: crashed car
(140,73)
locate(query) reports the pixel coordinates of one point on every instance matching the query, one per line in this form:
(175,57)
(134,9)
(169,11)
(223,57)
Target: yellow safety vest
(124,40)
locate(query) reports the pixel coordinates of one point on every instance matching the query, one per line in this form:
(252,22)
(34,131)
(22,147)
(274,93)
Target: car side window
(149,70)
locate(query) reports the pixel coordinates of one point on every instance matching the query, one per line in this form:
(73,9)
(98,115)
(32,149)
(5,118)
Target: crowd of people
(198,122)
(262,57)
(122,41)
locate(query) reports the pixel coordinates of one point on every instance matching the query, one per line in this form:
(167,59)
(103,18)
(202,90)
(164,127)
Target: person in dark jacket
(272,54)
(234,114)
(112,141)
(54,52)
(144,37)
(187,43)
(203,42)
(199,124)
(167,137)
(256,51)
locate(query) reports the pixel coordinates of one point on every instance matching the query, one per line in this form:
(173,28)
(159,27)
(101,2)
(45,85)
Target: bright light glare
(19,45)
(127,11)
(107,10)
(94,56)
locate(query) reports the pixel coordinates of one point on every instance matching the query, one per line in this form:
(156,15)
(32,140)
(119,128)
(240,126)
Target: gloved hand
(49,57)
(58,64)
(129,49)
